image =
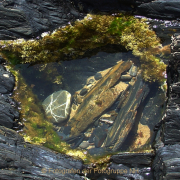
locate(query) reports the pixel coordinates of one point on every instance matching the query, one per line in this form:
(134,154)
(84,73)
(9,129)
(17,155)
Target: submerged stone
(7,81)
(133,71)
(97,76)
(83,91)
(99,98)
(100,136)
(154,109)
(75,141)
(67,130)
(126,116)
(57,106)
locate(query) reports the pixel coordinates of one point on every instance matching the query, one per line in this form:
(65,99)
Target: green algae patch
(72,41)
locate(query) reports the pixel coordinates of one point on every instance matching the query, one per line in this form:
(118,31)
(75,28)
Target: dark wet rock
(7,112)
(126,116)
(157,141)
(162,9)
(20,160)
(88,6)
(7,81)
(57,106)
(67,130)
(154,109)
(83,91)
(26,19)
(166,164)
(97,76)
(75,141)
(133,159)
(91,138)
(105,127)
(171,124)
(130,172)
(165,29)
(100,136)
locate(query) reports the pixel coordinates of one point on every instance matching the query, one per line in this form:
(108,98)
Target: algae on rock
(93,31)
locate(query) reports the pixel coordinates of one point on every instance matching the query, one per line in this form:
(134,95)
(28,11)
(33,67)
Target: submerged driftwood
(101,97)
(126,116)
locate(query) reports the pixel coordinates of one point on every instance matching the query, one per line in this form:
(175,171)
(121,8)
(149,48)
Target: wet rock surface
(22,160)
(165,29)
(126,116)
(171,118)
(162,9)
(167,160)
(7,81)
(138,159)
(27,19)
(8,112)
(153,110)
(166,163)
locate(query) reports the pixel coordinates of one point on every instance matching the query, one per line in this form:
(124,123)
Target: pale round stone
(57,106)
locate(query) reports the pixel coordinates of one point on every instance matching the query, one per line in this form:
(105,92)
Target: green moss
(12,57)
(91,32)
(119,24)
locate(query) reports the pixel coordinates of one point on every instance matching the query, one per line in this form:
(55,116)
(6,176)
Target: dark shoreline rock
(22,160)
(160,9)
(167,160)
(28,19)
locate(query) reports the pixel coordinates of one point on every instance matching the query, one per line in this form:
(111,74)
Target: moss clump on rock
(93,31)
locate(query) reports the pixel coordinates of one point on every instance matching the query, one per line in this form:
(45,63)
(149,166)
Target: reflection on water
(100,104)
